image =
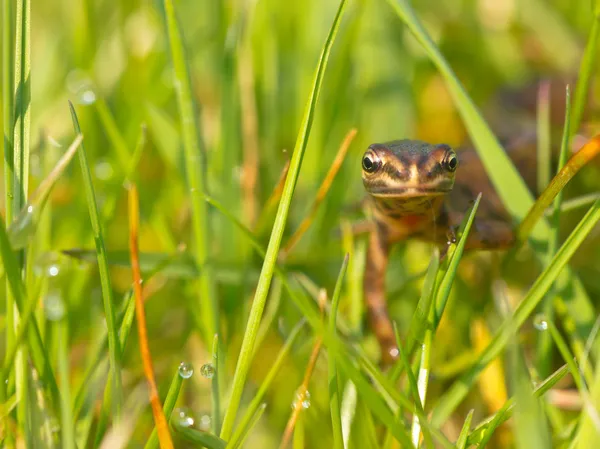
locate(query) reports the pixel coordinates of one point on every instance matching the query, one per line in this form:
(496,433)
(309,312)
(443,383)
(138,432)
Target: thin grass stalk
(544,345)
(107,292)
(266,275)
(585,71)
(215,391)
(61,329)
(195,164)
(168,406)
(7,127)
(20,180)
(334,384)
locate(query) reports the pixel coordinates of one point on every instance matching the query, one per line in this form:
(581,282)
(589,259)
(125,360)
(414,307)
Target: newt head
(404,169)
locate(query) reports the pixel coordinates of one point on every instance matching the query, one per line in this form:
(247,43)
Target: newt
(418,190)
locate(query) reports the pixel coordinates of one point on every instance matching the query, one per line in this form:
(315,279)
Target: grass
(228,117)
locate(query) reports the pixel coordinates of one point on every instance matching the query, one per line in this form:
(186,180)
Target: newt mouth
(407,192)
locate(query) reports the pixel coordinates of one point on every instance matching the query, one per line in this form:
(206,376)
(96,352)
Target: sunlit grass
(228,116)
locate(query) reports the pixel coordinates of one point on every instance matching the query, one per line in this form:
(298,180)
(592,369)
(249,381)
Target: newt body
(422,191)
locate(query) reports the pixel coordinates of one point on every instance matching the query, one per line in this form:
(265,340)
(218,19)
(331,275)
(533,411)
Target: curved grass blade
(107,292)
(264,282)
(450,400)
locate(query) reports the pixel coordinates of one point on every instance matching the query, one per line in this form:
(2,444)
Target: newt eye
(450,161)
(370,163)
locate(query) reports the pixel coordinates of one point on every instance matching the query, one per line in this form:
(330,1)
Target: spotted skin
(422,191)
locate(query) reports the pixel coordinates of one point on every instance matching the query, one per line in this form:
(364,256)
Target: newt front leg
(374,291)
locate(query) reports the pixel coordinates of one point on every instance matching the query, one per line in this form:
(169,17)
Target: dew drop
(302,397)
(53,270)
(540,323)
(54,306)
(87,96)
(21,229)
(394,352)
(186,370)
(48,264)
(205,422)
(183,417)
(103,170)
(207,370)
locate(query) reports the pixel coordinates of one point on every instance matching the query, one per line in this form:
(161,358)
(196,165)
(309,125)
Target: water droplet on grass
(183,417)
(540,322)
(207,370)
(186,370)
(302,396)
(103,170)
(54,306)
(205,422)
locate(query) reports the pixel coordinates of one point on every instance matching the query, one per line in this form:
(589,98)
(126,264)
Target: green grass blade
(262,289)
(415,391)
(112,132)
(107,292)
(37,350)
(216,395)
(480,430)
(586,68)
(588,429)
(255,418)
(7,145)
(450,400)
(67,423)
(461,442)
(257,400)
(418,323)
(334,392)
(544,148)
(531,426)
(544,344)
(443,291)
(168,406)
(195,170)
(205,439)
(498,419)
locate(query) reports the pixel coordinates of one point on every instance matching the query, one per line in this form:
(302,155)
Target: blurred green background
(251,65)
